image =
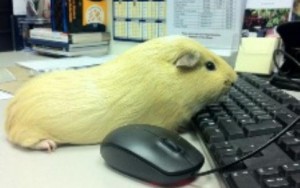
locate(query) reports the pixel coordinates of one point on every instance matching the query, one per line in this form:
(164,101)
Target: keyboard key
(213,134)
(294,152)
(284,118)
(230,107)
(206,123)
(247,104)
(259,100)
(228,160)
(286,99)
(295,180)
(202,116)
(246,150)
(279,182)
(219,113)
(295,107)
(242,116)
(266,127)
(214,108)
(270,108)
(261,118)
(222,118)
(228,152)
(257,113)
(289,169)
(289,142)
(231,129)
(236,113)
(287,135)
(221,145)
(242,179)
(297,126)
(244,122)
(269,90)
(267,173)
(297,133)
(252,109)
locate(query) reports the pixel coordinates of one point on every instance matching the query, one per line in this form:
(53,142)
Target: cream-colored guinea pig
(161,82)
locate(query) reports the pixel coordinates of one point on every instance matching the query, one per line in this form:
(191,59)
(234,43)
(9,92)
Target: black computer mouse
(152,154)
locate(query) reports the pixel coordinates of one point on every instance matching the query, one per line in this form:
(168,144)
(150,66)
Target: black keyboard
(251,113)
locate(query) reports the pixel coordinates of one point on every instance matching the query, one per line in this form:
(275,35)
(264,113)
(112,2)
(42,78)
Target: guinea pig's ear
(188,60)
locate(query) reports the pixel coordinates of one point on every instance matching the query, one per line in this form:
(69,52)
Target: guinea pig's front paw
(47,144)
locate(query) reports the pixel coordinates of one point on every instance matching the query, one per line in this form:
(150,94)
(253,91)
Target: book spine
(96,52)
(65,17)
(72,14)
(49,35)
(52,12)
(61,49)
(89,38)
(48,43)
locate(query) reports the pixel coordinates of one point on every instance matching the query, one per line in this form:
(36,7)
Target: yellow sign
(94,12)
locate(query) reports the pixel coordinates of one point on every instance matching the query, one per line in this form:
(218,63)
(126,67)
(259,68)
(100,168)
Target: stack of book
(46,41)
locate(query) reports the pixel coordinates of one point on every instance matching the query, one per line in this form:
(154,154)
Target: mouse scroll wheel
(171,145)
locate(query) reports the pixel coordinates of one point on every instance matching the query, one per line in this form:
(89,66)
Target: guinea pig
(162,82)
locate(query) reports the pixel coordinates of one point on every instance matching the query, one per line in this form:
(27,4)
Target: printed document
(214,23)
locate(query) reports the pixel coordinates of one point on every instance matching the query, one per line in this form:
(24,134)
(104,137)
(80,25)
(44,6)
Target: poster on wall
(262,17)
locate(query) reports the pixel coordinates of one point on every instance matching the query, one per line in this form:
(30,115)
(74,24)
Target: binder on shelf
(139,20)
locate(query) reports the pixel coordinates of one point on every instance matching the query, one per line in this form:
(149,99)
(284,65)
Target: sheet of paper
(6,76)
(5,95)
(64,63)
(214,23)
(269,4)
(19,7)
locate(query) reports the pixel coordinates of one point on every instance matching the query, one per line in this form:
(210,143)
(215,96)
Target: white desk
(74,166)
(68,167)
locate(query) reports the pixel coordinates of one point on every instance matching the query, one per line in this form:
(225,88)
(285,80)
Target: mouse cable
(282,79)
(286,55)
(251,154)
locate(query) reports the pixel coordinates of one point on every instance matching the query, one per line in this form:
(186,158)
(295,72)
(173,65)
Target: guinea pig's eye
(210,66)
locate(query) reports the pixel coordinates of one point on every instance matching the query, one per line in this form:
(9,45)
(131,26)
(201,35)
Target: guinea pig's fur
(161,82)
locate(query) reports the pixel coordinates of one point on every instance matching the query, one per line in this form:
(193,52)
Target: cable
(251,154)
(277,51)
(282,79)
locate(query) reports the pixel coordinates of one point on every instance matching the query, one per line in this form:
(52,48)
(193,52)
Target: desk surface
(73,166)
